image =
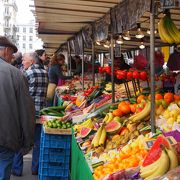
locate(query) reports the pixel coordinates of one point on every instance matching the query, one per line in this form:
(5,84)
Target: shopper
(55,75)
(17,60)
(174,60)
(38,82)
(43,57)
(16,110)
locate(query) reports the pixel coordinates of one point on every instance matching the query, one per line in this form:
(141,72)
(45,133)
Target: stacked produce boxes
(54,157)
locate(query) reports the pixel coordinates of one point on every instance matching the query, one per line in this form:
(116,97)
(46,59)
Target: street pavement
(26,170)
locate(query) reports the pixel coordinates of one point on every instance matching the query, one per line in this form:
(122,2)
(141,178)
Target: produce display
(116,138)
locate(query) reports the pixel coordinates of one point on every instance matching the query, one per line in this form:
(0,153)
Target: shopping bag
(51,91)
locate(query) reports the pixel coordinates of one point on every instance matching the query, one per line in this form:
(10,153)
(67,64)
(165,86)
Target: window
(24,38)
(24,30)
(31,30)
(30,46)
(30,38)
(24,45)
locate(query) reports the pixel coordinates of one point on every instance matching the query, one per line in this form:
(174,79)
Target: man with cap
(16,110)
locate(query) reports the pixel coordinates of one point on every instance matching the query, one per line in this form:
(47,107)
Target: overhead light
(148,31)
(127,36)
(142,46)
(98,43)
(120,40)
(139,34)
(107,44)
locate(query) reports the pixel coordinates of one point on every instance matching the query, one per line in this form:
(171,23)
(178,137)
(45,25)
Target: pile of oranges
(131,158)
(123,109)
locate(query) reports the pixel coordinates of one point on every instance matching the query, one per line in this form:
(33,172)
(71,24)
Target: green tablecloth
(79,167)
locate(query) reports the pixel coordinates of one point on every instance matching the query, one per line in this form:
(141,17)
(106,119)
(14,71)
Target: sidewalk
(26,170)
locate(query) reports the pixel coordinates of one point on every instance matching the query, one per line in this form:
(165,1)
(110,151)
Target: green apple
(158,102)
(164,103)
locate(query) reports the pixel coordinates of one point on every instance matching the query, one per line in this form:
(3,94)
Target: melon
(113,127)
(156,150)
(85,132)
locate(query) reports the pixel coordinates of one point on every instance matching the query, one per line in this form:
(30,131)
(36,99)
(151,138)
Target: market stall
(116,136)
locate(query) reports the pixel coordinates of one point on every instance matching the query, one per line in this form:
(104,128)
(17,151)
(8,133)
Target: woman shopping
(55,74)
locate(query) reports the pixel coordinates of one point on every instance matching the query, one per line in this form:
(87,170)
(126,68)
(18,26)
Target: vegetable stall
(127,129)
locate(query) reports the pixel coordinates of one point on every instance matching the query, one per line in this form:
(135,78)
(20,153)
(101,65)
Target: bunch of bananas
(141,115)
(168,31)
(167,161)
(100,137)
(109,117)
(88,124)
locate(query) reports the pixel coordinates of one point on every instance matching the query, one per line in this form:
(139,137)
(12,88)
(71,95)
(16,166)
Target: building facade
(27,39)
(8,15)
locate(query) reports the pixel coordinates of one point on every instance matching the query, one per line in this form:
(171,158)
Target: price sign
(149,144)
(167,4)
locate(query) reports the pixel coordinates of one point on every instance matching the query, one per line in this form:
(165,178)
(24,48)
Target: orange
(176,97)
(123,103)
(140,98)
(133,107)
(117,112)
(158,96)
(169,97)
(125,109)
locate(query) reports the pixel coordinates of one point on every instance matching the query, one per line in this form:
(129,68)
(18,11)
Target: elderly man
(38,82)
(16,110)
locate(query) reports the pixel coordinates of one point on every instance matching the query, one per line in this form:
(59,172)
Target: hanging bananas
(168,31)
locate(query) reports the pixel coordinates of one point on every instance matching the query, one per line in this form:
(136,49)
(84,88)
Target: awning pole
(93,63)
(69,59)
(82,64)
(152,71)
(112,69)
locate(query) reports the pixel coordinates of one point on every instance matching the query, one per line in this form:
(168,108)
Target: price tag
(167,4)
(149,144)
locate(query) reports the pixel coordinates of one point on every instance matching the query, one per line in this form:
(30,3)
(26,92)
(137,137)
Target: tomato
(129,75)
(143,76)
(136,75)
(122,74)
(100,70)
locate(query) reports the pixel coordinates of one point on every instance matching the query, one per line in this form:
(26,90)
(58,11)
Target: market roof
(59,20)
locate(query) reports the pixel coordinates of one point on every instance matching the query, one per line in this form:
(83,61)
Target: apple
(178,103)
(158,102)
(164,103)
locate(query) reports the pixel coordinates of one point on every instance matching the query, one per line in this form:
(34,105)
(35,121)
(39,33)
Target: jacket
(38,82)
(16,109)
(55,73)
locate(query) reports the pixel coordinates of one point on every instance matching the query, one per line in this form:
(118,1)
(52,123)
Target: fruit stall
(123,130)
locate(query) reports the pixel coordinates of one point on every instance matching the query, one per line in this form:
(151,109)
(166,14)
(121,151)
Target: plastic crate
(55,141)
(54,155)
(52,178)
(55,144)
(57,137)
(54,169)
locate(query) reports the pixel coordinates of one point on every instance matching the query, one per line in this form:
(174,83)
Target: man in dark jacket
(16,110)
